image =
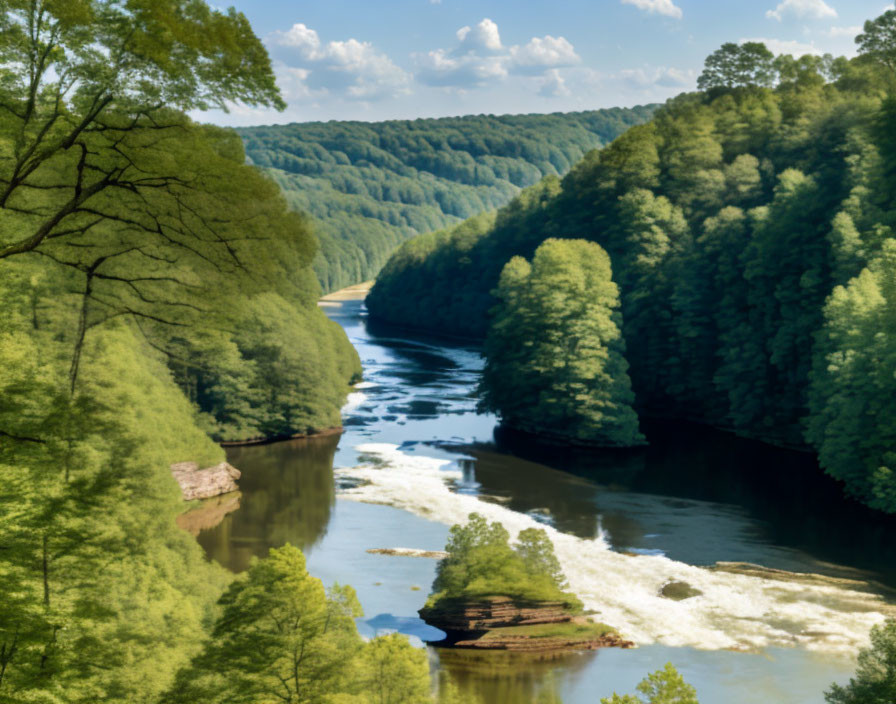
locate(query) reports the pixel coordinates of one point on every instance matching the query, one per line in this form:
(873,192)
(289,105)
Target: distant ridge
(371,185)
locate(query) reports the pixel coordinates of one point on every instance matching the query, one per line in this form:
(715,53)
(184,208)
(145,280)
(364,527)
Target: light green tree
(280,637)
(875,678)
(664,686)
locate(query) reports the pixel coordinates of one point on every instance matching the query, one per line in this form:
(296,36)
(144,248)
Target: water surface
(695,496)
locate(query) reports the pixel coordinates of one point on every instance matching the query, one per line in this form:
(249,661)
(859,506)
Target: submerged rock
(198,483)
(409,552)
(679,591)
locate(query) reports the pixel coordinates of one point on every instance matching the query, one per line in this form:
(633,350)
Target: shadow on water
(287,497)
(691,470)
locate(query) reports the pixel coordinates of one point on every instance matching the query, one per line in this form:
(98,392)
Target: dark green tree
(554,353)
(878,40)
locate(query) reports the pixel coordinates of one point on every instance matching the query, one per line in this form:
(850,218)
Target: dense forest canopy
(371,186)
(157,293)
(751,230)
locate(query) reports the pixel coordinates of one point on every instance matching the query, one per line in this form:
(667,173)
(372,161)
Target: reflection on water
(287,496)
(513,678)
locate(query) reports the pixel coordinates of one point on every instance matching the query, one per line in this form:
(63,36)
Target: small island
(490,595)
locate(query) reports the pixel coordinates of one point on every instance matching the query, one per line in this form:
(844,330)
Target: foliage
(664,686)
(482,563)
(737,65)
(853,383)
(83,74)
(391,671)
(370,186)
(279,636)
(875,680)
(554,352)
(878,40)
(133,245)
(737,222)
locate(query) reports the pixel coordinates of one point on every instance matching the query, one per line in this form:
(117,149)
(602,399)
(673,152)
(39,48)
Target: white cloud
(480,59)
(554,85)
(660,7)
(484,37)
(659,76)
(350,69)
(543,53)
(443,69)
(803,9)
(844,31)
(780,46)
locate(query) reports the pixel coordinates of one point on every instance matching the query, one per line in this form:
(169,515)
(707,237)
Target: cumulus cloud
(443,69)
(802,9)
(543,53)
(484,37)
(845,31)
(351,69)
(662,76)
(659,7)
(480,58)
(780,46)
(554,85)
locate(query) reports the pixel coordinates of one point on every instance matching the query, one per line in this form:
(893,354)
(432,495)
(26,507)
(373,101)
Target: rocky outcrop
(493,612)
(198,483)
(541,644)
(502,623)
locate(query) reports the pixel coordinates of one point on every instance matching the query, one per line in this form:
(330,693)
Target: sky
(404,59)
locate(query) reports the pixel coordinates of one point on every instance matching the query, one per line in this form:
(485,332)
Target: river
(416,457)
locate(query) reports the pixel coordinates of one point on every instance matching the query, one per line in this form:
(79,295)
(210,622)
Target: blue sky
(387,59)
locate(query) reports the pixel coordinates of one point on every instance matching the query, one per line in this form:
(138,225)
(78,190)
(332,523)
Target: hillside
(371,186)
(752,234)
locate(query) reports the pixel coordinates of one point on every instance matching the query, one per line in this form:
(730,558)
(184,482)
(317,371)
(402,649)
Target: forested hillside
(157,296)
(751,232)
(371,186)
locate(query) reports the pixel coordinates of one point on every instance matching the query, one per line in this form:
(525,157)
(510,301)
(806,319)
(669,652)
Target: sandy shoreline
(351,293)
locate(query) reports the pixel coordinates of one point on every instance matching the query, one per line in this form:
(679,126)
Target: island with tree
(490,595)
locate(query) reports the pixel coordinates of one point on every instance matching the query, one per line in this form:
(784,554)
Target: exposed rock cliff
(501,623)
(198,483)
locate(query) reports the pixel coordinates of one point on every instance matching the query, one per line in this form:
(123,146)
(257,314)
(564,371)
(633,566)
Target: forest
(371,186)
(750,230)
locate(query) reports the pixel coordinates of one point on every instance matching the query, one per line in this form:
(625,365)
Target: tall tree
(554,353)
(738,65)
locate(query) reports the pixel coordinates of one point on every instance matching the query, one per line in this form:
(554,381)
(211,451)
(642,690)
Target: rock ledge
(198,483)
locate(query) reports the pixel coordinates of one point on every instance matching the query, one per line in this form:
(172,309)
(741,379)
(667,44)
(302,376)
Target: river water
(416,457)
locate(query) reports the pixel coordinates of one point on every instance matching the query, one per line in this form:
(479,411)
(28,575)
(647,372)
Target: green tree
(738,65)
(481,562)
(875,678)
(390,670)
(554,354)
(878,40)
(853,380)
(664,686)
(280,637)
